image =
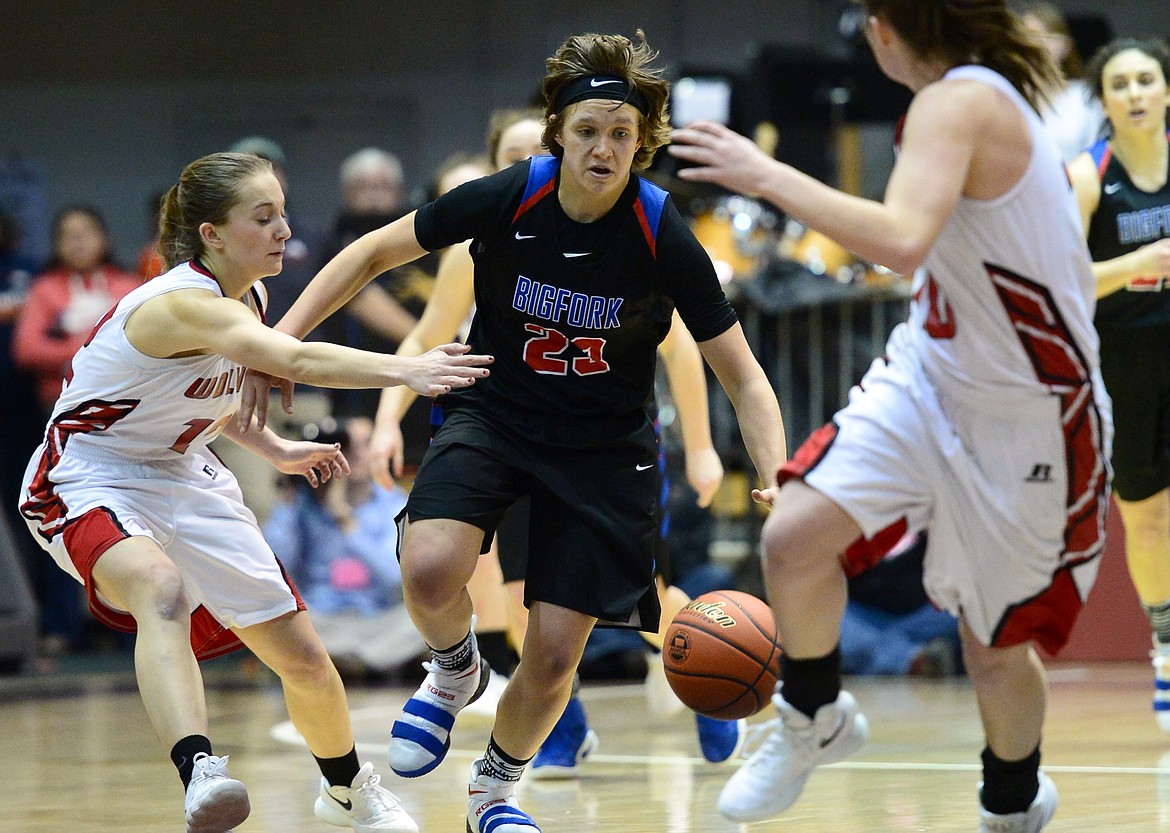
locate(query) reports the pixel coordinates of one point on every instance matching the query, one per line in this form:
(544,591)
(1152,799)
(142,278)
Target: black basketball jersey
(573,312)
(1126,219)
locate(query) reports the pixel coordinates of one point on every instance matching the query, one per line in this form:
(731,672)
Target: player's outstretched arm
(943,127)
(350,270)
(196,320)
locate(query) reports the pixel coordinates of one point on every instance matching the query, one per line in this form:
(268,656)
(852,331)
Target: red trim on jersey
(44,505)
(536,197)
(109,314)
(640,213)
(197,266)
(1048,618)
(1104,163)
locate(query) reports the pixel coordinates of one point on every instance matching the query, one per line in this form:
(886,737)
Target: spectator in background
(20,425)
(1071,113)
(458,168)
(338,542)
(81,284)
(890,627)
(373,192)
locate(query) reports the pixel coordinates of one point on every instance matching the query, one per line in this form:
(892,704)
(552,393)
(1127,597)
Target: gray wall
(112,99)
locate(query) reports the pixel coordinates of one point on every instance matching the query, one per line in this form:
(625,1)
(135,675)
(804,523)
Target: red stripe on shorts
(1046,618)
(91,534)
(864,552)
(1060,366)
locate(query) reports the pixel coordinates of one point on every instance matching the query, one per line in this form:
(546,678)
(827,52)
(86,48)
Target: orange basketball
(722,654)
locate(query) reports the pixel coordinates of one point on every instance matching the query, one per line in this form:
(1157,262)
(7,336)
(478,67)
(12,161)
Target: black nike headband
(609,87)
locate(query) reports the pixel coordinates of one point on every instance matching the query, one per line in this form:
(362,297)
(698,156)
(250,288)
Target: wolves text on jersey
(556,304)
(225,384)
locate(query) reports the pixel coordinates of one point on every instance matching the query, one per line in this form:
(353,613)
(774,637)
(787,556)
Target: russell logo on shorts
(1041,473)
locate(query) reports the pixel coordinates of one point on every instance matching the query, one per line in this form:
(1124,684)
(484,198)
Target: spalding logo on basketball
(722,654)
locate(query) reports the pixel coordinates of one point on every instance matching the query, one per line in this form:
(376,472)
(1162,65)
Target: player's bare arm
(451,300)
(927,180)
(754,400)
(1152,260)
(196,321)
(688,386)
(350,270)
(316,462)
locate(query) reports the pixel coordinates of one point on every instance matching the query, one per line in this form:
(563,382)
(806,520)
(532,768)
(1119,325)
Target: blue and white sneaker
(570,742)
(419,740)
(720,740)
(1160,657)
(492,807)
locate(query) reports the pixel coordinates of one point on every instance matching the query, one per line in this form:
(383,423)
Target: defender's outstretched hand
(720,155)
(445,367)
(317,462)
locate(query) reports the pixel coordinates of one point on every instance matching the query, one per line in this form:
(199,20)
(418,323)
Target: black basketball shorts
(594,511)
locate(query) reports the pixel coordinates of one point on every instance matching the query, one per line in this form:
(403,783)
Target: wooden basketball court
(77,754)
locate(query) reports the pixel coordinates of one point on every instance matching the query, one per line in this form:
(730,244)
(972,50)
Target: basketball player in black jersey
(1124,194)
(579,264)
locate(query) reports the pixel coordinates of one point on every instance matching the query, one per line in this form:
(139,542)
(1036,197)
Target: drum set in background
(745,237)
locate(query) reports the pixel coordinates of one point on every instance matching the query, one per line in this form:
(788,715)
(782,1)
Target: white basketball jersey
(120,403)
(1004,301)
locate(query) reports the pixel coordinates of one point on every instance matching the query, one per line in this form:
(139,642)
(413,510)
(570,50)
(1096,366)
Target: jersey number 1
(195,427)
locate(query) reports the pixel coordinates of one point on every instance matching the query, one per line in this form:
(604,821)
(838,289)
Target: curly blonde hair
(592,54)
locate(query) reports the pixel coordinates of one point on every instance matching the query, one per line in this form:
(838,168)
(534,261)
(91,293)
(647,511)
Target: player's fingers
(247,405)
(764,496)
(380,471)
(286,396)
(689,153)
(696,174)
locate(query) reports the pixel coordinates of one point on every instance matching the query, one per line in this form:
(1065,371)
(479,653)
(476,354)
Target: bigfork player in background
(128,499)
(1124,193)
(579,265)
(986,421)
